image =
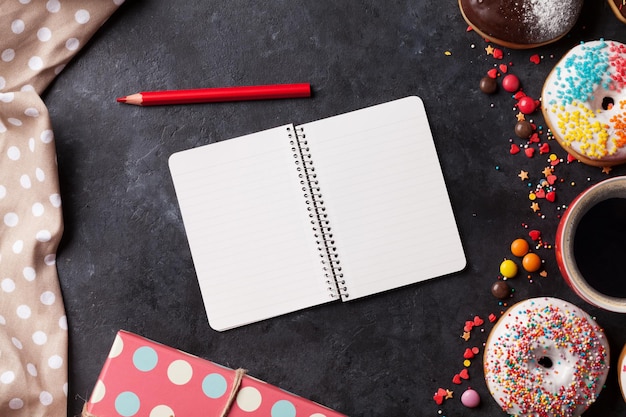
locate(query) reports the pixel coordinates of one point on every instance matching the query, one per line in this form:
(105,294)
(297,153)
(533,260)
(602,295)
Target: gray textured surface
(125,264)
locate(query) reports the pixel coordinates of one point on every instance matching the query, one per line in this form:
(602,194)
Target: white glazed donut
(584,102)
(546,357)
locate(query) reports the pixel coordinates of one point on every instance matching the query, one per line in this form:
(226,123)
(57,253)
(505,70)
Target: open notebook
(296,216)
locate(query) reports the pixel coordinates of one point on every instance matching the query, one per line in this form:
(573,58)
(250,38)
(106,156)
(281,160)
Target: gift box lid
(143,378)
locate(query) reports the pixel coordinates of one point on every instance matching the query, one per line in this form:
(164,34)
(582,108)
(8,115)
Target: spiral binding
(320,225)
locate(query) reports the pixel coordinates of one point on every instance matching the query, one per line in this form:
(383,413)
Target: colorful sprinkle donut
(546,358)
(584,102)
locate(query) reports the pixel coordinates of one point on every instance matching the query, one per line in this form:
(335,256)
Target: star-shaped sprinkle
(520,117)
(523,175)
(547,171)
(535,207)
(466,336)
(489,50)
(606,170)
(448,394)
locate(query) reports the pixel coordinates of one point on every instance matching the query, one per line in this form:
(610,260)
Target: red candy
(510,83)
(527,105)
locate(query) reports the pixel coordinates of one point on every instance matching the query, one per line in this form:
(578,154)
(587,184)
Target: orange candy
(531,262)
(519,247)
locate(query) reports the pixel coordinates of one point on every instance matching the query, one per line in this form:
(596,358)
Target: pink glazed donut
(584,102)
(546,357)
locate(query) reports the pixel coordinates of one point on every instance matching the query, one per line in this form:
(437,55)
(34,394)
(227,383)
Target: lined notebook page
(248,228)
(385,196)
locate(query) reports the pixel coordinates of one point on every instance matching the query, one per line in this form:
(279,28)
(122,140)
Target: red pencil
(212,95)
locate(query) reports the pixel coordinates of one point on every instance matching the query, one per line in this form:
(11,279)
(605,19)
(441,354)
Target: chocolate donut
(619,8)
(521,24)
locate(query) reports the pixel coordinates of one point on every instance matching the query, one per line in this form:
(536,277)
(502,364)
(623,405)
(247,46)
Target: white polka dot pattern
(37,39)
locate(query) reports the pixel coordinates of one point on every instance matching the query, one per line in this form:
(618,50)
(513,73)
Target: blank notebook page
(385,196)
(248,228)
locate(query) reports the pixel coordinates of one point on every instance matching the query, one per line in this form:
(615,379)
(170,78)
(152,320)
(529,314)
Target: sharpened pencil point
(121,99)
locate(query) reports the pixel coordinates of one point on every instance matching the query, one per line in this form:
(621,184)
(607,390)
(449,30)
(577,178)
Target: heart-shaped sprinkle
(469,325)
(544,148)
(519,95)
(540,193)
(535,59)
(497,53)
(570,158)
(534,234)
(438,399)
(529,152)
(456,379)
(514,149)
(468,354)
(534,138)
(492,73)
(551,179)
(503,68)
(478,321)
(551,196)
(464,374)
(492,318)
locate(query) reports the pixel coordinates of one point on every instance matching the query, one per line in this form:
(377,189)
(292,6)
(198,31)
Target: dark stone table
(124,262)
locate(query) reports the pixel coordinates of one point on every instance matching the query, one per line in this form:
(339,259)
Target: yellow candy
(508,268)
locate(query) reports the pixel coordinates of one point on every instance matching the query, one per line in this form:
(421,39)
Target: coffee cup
(591,245)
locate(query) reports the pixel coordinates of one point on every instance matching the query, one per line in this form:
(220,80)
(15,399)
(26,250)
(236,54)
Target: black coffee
(600,247)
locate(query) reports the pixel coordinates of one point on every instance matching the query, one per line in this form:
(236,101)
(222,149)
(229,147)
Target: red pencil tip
(121,99)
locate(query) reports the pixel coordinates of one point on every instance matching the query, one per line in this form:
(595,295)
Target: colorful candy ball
(508,268)
(519,247)
(526,105)
(488,85)
(510,83)
(501,290)
(523,129)
(531,262)
(470,398)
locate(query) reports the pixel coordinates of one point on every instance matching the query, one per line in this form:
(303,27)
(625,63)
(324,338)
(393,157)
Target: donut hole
(608,103)
(545,362)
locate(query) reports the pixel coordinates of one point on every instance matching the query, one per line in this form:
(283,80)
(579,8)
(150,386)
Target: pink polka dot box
(146,379)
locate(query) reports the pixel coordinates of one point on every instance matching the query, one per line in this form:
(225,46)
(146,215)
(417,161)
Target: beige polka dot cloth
(37,38)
